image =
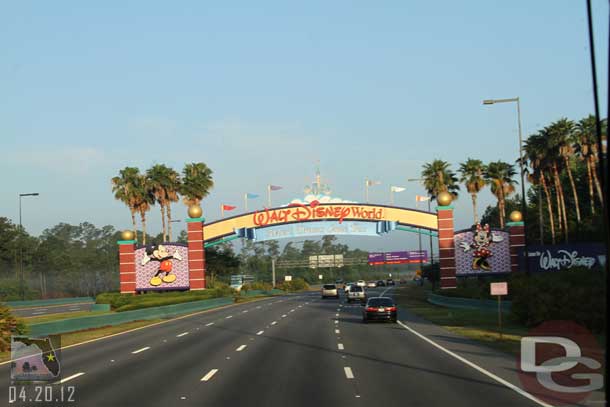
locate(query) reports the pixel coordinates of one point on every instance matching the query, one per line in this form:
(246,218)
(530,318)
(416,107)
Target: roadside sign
(320,276)
(499,288)
(287,278)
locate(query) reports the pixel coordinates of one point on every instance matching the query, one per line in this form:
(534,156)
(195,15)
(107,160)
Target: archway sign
(172,266)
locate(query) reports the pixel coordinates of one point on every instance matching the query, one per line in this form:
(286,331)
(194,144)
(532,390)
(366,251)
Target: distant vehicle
(356,293)
(379,309)
(348,286)
(239,280)
(361,283)
(330,290)
(389,281)
(380,283)
(371,284)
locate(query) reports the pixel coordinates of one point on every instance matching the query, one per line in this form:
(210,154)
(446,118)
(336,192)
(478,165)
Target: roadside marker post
(499,289)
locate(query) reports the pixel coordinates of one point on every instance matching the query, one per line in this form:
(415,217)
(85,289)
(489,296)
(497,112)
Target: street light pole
(21,282)
(523,203)
(430,235)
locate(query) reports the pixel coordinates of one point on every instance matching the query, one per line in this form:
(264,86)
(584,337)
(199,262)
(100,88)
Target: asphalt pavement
(51,309)
(292,350)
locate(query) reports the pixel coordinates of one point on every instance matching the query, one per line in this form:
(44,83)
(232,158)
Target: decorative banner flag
(371,182)
(274,187)
(224,208)
(248,195)
(251,196)
(269,189)
(420,198)
(397,189)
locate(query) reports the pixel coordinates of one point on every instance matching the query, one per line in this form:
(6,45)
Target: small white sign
(287,278)
(499,288)
(320,276)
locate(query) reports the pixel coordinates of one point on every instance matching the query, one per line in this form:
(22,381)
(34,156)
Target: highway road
(293,350)
(51,309)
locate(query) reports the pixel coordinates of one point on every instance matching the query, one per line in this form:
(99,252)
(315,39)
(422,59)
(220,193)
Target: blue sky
(261,90)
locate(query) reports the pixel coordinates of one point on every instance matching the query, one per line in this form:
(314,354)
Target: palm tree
(438,178)
(562,140)
(471,173)
(164,183)
(499,175)
(124,188)
(196,183)
(144,200)
(551,136)
(535,154)
(586,149)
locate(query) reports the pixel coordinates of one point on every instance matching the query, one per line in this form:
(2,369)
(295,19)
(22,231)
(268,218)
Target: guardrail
(53,301)
(162,312)
(467,303)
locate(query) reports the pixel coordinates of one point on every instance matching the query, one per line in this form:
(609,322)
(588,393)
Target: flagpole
(222,211)
(246,201)
(391,195)
(366,190)
(269,195)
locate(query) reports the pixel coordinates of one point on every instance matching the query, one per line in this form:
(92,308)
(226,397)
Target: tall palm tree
(562,141)
(164,184)
(438,177)
(586,149)
(499,175)
(196,183)
(124,189)
(144,200)
(471,174)
(551,135)
(535,155)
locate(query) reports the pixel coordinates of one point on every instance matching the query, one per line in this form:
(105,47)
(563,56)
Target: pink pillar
(516,231)
(196,252)
(446,247)
(127,266)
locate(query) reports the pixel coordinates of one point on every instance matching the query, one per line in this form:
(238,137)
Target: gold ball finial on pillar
(127,235)
(444,198)
(516,216)
(195,211)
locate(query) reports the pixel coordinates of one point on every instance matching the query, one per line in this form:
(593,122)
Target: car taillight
(371,309)
(391,308)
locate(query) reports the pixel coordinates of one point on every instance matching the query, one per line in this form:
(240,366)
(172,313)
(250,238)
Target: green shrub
(9,325)
(10,290)
(257,285)
(296,284)
(127,302)
(577,295)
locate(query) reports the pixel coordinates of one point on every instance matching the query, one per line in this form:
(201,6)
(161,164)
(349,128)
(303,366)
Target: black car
(380,283)
(379,309)
(389,281)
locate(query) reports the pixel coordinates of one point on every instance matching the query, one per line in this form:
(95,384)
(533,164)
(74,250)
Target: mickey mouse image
(162,255)
(482,239)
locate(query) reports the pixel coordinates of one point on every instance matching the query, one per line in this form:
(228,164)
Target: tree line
(160,185)
(561,162)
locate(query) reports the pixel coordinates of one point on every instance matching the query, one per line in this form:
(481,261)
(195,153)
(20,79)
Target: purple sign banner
(591,256)
(396,257)
(376,258)
(417,255)
(400,257)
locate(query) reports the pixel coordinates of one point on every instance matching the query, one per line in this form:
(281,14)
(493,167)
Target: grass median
(479,325)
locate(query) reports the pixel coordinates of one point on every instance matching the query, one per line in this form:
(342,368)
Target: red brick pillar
(446,247)
(516,232)
(196,253)
(127,266)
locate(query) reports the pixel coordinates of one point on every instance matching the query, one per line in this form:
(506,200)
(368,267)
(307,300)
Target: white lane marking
(274,322)
(336,322)
(182,334)
(259,307)
(300,306)
(291,310)
(211,323)
(477,367)
(141,350)
(43,309)
(385,291)
(244,311)
(209,375)
(340,346)
(348,372)
(73,309)
(230,316)
(337,331)
(284,316)
(38,313)
(74,376)
(337,315)
(242,347)
(260,332)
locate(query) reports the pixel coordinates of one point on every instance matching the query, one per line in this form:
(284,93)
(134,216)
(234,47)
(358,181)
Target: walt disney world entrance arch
(175,266)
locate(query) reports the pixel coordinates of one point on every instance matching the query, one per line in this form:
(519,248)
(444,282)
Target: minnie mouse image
(482,239)
(162,255)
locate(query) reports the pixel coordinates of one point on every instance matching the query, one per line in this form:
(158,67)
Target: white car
(371,284)
(361,283)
